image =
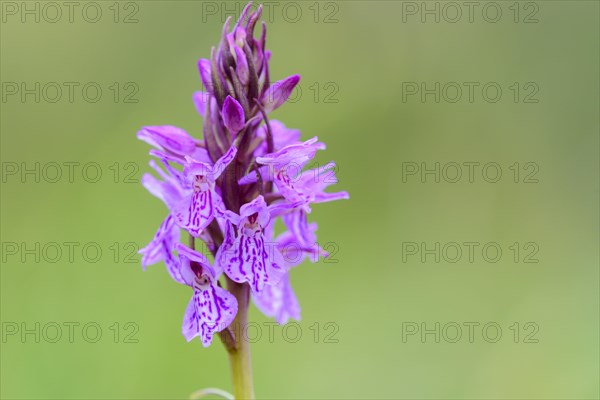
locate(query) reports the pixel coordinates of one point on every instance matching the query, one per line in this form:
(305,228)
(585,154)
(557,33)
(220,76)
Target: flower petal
(153,252)
(297,154)
(233,115)
(297,223)
(279,92)
(326,197)
(186,255)
(224,161)
(282,136)
(169,138)
(171,190)
(250,260)
(258,205)
(252,178)
(205,74)
(200,101)
(241,66)
(294,253)
(210,310)
(161,249)
(278,301)
(201,211)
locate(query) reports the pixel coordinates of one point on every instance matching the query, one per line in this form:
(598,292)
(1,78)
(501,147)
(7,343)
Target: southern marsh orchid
(227,189)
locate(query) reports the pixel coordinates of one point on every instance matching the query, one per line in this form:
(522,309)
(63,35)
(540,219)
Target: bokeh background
(354,57)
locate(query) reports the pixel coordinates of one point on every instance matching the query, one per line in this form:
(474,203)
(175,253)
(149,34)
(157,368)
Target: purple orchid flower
(234,213)
(211,308)
(285,166)
(204,199)
(244,254)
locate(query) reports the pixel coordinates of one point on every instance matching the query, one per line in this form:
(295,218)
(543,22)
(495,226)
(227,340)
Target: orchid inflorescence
(228,188)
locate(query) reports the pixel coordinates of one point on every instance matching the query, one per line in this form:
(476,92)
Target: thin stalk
(239,357)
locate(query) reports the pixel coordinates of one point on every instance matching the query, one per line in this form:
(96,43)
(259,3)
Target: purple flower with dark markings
(284,167)
(227,189)
(211,308)
(245,255)
(204,199)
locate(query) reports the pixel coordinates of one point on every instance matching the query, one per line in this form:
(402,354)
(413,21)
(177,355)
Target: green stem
(239,357)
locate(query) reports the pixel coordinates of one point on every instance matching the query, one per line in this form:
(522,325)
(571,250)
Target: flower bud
(279,92)
(233,115)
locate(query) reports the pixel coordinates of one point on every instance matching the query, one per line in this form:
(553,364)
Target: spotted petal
(201,211)
(250,260)
(210,310)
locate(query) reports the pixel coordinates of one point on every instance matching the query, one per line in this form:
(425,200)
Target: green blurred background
(360,57)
